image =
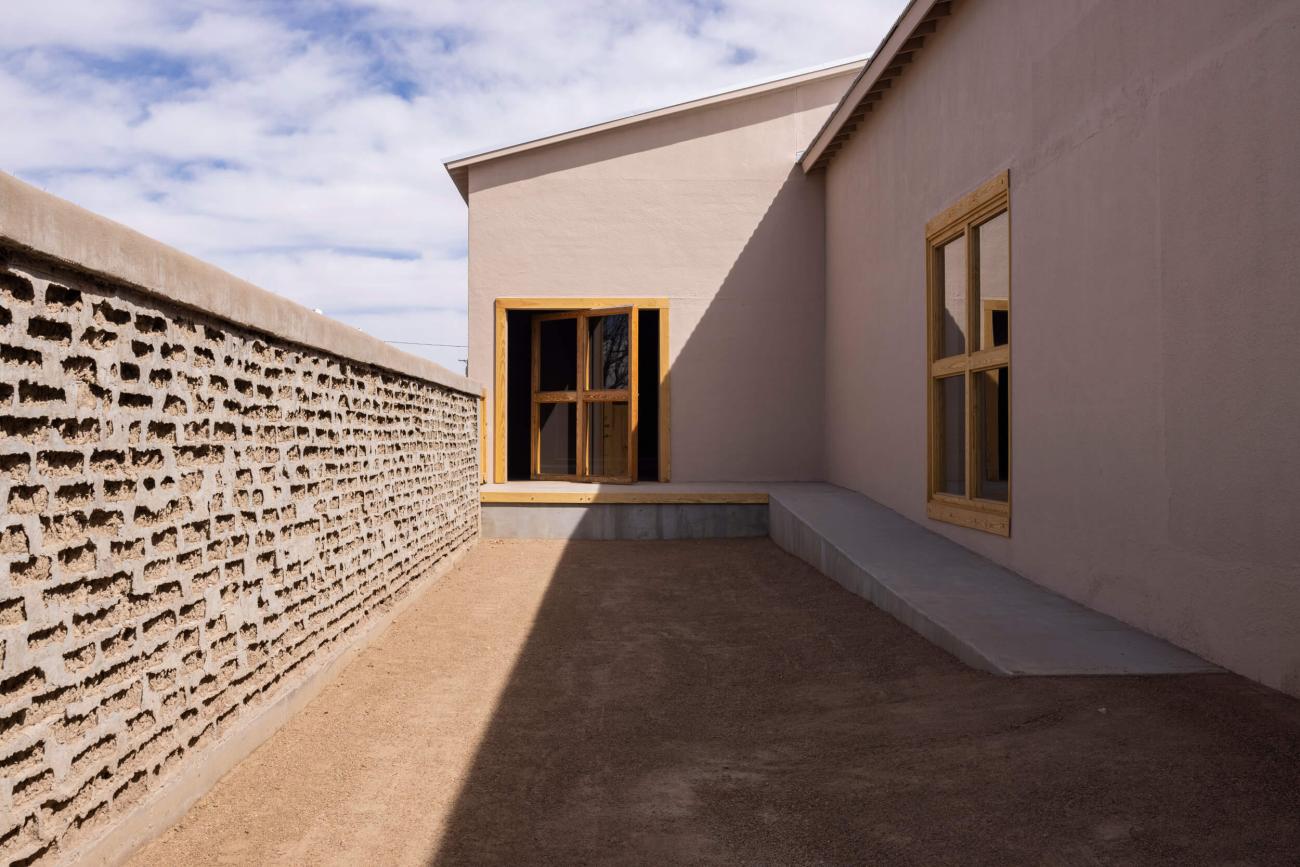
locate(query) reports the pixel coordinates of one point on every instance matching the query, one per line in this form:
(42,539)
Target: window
(568,420)
(584,395)
(968,311)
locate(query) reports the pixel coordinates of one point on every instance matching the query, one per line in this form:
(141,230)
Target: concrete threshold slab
(987,616)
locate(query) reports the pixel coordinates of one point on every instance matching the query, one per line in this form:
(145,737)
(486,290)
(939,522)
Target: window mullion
(972,332)
(972,305)
(580,423)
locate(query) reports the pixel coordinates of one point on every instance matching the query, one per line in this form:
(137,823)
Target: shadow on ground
(718,702)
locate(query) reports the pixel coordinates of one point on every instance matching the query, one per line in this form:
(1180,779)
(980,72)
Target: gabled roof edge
(458,167)
(896,50)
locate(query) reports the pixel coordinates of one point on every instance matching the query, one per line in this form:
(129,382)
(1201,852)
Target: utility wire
(416,343)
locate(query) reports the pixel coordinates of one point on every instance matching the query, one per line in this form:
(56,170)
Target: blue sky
(298,143)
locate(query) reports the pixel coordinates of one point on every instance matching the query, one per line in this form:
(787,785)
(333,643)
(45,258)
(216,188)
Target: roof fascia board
(881,60)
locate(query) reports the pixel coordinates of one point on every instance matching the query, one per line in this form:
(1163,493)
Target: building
(813,279)
(700,217)
(792,305)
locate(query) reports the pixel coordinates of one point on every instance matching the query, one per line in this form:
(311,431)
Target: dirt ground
(718,702)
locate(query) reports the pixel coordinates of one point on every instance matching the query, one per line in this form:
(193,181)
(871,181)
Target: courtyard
(719,702)
(661,485)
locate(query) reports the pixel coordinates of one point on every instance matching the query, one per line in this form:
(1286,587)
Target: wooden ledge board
(624,497)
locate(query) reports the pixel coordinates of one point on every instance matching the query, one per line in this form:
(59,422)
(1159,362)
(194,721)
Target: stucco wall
(195,519)
(707,209)
(1155,311)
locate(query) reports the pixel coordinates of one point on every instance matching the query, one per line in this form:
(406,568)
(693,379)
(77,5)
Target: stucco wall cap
(34,220)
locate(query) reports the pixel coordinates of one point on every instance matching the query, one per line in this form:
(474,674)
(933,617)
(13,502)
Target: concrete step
(611,521)
(647,510)
(987,616)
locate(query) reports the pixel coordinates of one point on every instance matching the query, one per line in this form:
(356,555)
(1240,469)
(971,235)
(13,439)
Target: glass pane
(950,261)
(993,268)
(950,422)
(992,436)
(558,346)
(607,440)
(607,347)
(558,442)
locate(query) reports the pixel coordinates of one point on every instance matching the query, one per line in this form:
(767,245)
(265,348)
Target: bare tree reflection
(609,350)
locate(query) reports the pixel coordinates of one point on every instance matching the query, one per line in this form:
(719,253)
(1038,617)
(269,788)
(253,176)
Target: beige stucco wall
(706,208)
(1155,303)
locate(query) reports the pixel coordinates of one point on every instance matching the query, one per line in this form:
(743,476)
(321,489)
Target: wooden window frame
(498,414)
(588,395)
(537,397)
(957,221)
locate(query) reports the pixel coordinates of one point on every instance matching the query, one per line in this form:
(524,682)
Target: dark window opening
(647,446)
(519,373)
(519,381)
(1001,323)
(558,370)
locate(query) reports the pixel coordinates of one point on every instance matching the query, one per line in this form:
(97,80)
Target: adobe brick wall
(194,518)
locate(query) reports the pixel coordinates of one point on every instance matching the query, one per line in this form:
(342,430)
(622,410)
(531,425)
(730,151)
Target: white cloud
(300,145)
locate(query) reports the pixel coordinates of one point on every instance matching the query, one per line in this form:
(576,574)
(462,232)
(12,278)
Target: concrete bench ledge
(987,616)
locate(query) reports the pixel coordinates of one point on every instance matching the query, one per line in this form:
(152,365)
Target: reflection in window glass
(950,259)
(607,439)
(557,438)
(993,267)
(950,414)
(992,439)
(558,354)
(607,347)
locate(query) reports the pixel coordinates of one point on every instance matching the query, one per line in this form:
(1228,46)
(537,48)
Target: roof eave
(460,177)
(914,23)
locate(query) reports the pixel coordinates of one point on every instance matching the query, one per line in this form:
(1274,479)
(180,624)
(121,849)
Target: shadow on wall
(747,381)
(715,702)
(748,384)
(738,247)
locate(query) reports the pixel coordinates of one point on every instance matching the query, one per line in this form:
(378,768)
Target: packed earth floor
(719,702)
